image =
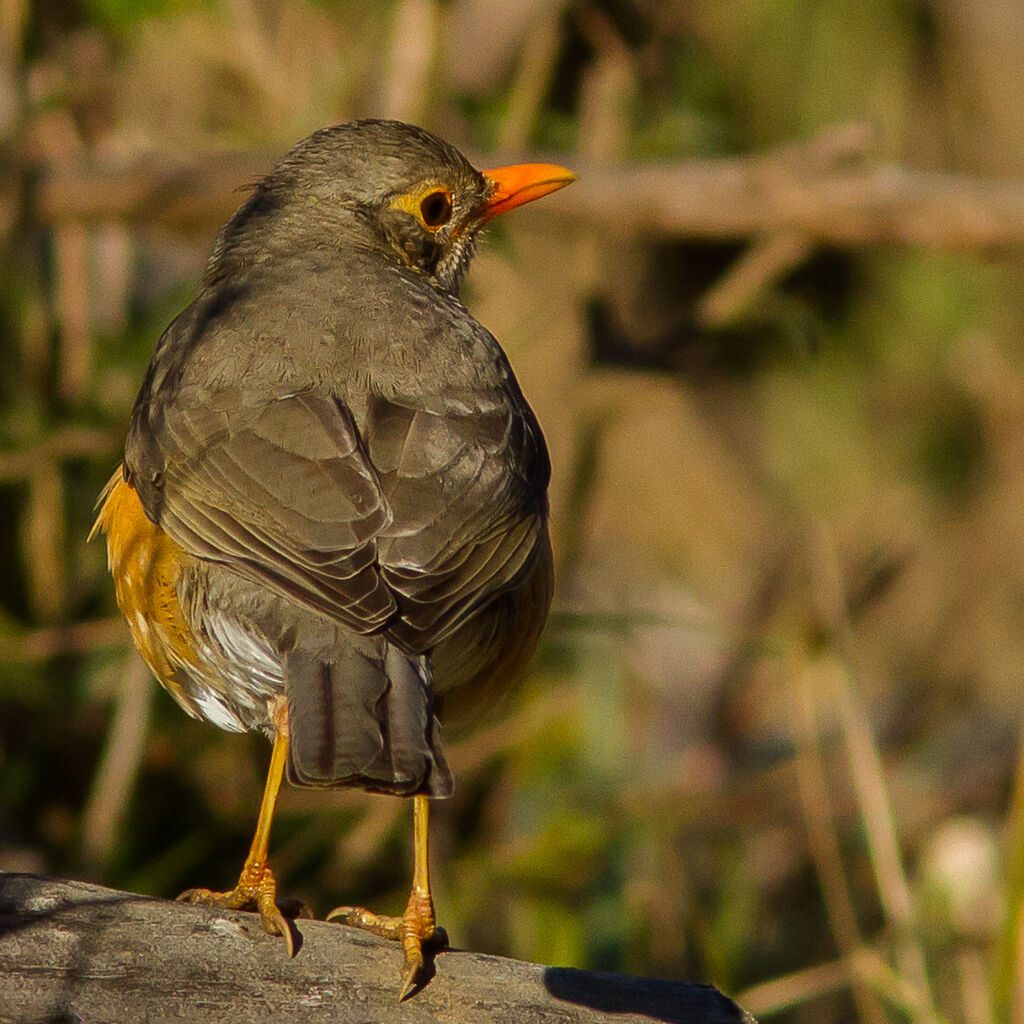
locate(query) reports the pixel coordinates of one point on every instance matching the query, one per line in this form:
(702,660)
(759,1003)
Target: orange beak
(522,183)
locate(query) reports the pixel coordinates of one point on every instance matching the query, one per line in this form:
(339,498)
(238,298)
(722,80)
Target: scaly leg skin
(417,927)
(256,888)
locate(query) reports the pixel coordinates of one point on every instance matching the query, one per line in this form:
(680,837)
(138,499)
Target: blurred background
(771,739)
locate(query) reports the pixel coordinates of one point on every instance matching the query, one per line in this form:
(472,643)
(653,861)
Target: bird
(330,523)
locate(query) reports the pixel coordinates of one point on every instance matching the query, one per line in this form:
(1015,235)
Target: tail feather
(363,716)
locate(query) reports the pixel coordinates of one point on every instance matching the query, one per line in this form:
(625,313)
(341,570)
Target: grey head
(387,188)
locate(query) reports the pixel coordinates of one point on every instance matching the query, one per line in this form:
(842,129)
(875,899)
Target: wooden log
(70,951)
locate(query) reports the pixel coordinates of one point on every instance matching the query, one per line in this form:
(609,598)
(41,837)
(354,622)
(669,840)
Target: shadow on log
(76,952)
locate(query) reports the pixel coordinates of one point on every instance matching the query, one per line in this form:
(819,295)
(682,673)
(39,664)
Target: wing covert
(281,491)
(467,489)
(410,525)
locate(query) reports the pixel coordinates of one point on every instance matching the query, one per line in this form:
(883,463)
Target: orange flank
(146,565)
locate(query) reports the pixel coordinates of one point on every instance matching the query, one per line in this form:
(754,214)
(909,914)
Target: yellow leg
(257,888)
(417,925)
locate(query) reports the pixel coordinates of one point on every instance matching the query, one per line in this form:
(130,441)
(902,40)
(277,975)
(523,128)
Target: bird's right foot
(416,930)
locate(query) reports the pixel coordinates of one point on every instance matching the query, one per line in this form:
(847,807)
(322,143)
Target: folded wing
(406,530)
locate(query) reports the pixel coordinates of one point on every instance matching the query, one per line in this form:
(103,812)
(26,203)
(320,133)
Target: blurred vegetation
(771,739)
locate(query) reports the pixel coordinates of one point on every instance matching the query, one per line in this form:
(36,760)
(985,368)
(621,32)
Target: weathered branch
(737,199)
(825,191)
(72,951)
(65,443)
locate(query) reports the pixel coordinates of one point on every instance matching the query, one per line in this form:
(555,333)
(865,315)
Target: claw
(410,975)
(257,893)
(415,930)
(275,923)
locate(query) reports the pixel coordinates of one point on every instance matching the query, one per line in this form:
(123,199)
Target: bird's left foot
(416,929)
(256,890)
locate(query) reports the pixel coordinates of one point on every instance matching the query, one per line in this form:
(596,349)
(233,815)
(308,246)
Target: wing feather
(408,526)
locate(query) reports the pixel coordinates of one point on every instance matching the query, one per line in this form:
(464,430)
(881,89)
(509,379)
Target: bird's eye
(436,209)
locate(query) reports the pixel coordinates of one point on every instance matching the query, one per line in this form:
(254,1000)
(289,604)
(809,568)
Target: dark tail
(364,718)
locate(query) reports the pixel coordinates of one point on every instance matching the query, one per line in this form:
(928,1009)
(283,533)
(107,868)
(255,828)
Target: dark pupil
(436,209)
